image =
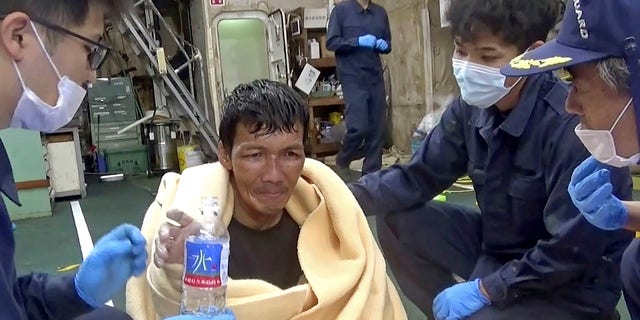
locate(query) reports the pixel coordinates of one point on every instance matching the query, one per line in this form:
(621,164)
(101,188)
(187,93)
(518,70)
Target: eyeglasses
(98,51)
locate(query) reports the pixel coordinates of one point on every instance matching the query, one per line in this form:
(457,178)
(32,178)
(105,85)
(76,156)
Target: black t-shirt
(270,255)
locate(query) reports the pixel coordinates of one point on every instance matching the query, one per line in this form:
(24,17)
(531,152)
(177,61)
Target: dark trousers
(425,246)
(630,274)
(105,313)
(365,119)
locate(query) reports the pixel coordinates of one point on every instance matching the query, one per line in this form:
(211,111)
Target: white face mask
(480,86)
(34,114)
(602,146)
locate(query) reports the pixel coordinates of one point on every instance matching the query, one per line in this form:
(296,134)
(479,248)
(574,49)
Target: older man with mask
(597,50)
(49,49)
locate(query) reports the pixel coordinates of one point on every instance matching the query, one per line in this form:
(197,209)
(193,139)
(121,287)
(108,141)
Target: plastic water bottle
(206,256)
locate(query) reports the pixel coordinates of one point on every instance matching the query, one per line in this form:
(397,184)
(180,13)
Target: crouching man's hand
(116,257)
(459,301)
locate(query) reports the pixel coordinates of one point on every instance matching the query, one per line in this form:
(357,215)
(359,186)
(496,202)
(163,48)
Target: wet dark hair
(516,22)
(66,13)
(265,107)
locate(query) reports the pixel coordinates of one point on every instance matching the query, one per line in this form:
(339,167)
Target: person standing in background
(358,33)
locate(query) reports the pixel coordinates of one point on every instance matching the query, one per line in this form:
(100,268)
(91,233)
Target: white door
(277,47)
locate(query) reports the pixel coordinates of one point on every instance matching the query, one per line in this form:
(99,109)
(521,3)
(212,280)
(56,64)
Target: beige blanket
(345,270)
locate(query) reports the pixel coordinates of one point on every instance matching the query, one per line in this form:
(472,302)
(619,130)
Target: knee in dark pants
(105,313)
(629,266)
(630,275)
(402,263)
(386,234)
(423,246)
(355,138)
(531,309)
(390,227)
(357,134)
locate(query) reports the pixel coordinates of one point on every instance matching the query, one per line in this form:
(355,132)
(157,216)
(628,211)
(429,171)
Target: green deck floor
(47,244)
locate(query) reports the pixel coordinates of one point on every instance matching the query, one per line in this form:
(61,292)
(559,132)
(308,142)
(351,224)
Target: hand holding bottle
(170,241)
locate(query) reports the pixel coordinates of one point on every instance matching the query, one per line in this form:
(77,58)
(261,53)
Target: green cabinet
(26,154)
(113,106)
(112,100)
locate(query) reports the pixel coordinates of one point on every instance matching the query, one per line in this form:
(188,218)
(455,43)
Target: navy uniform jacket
(38,295)
(349,21)
(520,165)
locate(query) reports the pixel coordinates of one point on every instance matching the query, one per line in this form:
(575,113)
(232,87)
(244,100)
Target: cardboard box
(315,18)
(324,52)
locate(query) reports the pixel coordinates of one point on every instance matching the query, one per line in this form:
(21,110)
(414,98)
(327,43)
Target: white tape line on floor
(84,237)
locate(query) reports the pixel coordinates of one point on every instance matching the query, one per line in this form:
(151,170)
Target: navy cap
(591,30)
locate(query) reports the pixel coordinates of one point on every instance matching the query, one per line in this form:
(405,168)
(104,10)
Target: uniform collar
(7,183)
(519,117)
(359,7)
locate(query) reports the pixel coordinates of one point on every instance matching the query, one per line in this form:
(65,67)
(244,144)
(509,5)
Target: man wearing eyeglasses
(49,50)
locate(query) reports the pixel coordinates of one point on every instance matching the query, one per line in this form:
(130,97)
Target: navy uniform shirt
(535,242)
(348,21)
(38,295)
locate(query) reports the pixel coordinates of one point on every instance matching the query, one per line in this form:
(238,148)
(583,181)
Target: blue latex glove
(228,316)
(116,257)
(591,192)
(382,45)
(459,301)
(368,41)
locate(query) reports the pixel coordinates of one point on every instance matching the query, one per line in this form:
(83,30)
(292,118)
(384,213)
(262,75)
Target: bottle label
(206,265)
